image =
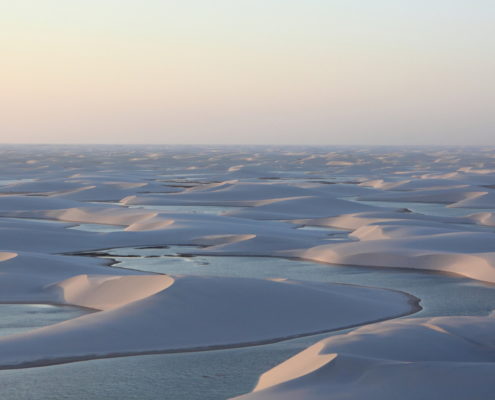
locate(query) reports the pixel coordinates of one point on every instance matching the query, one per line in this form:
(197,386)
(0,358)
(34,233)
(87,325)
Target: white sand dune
(4,256)
(280,190)
(196,312)
(402,229)
(44,186)
(101,215)
(20,203)
(301,207)
(245,193)
(437,358)
(146,228)
(105,292)
(470,254)
(83,189)
(485,218)
(228,192)
(356,220)
(485,200)
(425,183)
(223,240)
(43,278)
(441,196)
(153,223)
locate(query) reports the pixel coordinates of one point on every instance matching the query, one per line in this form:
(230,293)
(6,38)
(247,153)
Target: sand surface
(429,210)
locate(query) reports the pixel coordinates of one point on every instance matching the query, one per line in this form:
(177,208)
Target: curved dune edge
(199,313)
(427,358)
(483,218)
(105,292)
(409,243)
(7,255)
(219,240)
(153,223)
(477,266)
(296,367)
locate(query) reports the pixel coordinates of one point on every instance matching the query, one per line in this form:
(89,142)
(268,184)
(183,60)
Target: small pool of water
(18,318)
(330,231)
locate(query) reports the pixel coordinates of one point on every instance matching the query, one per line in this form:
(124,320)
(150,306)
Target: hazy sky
(247,71)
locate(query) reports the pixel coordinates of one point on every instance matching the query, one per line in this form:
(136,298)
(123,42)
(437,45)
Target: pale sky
(247,71)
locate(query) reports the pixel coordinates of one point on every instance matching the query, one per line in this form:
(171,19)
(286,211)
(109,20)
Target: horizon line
(243,144)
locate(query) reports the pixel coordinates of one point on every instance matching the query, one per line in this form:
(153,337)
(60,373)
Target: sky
(327,72)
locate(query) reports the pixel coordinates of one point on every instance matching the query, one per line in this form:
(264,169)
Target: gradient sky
(248,71)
